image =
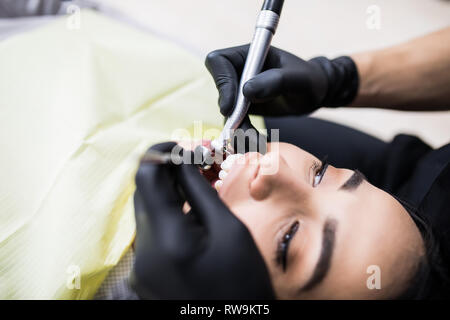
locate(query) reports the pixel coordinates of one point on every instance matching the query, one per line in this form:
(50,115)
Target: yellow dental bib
(77,108)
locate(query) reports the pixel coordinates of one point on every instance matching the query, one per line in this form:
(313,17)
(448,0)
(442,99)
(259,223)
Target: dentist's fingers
(158,202)
(205,201)
(264,86)
(226,67)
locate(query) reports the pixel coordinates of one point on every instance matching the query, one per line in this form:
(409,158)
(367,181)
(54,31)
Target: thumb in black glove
(288,85)
(205,254)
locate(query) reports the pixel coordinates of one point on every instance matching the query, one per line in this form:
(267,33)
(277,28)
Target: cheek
(259,220)
(255,215)
(284,186)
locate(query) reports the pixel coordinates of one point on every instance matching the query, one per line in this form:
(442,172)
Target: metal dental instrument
(157,157)
(265,29)
(266,26)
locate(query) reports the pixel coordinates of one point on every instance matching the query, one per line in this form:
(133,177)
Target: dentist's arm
(411,76)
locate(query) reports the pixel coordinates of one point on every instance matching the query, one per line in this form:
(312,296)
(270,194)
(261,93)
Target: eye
(283,246)
(319,170)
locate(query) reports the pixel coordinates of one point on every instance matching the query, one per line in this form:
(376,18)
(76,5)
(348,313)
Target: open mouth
(212,175)
(225,169)
(218,173)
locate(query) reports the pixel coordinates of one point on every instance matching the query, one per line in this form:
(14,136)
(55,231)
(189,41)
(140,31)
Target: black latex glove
(288,85)
(205,254)
(253,142)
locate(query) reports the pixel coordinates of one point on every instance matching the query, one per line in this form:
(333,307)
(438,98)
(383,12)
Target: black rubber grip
(273,5)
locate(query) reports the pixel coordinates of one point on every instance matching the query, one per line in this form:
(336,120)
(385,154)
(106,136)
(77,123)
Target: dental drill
(266,26)
(265,29)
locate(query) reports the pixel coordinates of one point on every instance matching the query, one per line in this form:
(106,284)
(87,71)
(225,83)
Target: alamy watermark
(374,280)
(73,20)
(373,21)
(73,281)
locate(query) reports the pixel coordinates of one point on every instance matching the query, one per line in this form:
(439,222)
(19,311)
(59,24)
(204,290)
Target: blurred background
(307,28)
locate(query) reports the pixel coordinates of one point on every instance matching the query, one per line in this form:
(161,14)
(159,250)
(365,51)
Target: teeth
(229,161)
(218,184)
(223,174)
(226,166)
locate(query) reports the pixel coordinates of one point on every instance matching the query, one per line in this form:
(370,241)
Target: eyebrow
(326,253)
(354,181)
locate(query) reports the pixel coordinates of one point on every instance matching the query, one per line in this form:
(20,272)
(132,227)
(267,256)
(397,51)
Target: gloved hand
(204,254)
(288,85)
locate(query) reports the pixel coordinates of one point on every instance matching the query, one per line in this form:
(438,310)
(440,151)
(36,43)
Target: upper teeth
(223,174)
(225,169)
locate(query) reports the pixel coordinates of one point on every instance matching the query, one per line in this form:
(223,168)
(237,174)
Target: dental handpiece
(266,26)
(198,157)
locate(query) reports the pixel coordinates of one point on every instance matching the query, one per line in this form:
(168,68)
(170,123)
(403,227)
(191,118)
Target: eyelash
(319,170)
(283,245)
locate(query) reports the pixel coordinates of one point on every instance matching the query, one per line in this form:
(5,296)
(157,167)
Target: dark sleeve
(429,188)
(436,203)
(398,164)
(428,176)
(345,147)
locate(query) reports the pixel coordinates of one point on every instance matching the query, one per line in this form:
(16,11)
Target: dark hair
(431,279)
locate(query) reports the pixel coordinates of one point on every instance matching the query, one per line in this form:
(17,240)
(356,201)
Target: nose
(275,178)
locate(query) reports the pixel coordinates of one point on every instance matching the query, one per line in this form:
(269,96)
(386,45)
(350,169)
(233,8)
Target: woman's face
(324,233)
